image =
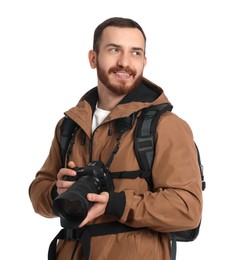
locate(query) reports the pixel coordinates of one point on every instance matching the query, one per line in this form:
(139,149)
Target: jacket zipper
(90,147)
(92,137)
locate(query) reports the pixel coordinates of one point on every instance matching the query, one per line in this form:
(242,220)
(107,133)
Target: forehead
(126,37)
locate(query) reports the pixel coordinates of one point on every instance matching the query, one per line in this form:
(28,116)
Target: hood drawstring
(110,130)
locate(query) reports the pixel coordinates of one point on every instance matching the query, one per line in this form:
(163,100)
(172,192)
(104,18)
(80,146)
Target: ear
(92,59)
(145,61)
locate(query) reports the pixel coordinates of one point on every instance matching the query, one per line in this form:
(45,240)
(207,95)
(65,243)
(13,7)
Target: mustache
(125,69)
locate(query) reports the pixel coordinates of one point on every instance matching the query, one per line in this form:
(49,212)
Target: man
(175,200)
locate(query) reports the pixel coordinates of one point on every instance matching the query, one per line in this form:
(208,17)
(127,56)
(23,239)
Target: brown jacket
(174,204)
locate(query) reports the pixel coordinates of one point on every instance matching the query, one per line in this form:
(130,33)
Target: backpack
(144,146)
(144,149)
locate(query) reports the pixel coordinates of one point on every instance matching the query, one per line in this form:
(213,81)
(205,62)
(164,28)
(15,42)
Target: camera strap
(108,163)
(84,235)
(123,125)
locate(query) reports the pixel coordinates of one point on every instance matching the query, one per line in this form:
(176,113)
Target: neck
(107,99)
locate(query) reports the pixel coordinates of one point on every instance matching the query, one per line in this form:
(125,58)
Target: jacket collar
(145,92)
(145,95)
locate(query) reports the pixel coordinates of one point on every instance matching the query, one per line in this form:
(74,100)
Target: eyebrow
(119,46)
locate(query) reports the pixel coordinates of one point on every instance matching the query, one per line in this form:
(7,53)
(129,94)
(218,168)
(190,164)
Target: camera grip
(69,178)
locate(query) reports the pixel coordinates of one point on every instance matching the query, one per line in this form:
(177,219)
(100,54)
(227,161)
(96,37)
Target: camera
(72,205)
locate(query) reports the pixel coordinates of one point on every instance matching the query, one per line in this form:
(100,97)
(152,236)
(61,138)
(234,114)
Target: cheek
(139,68)
(106,61)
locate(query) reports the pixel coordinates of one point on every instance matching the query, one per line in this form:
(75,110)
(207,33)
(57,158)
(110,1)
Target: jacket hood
(146,92)
(145,95)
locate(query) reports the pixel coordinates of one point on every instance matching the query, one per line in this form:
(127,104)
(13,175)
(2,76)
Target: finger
(85,221)
(101,198)
(60,184)
(71,164)
(93,197)
(65,172)
(59,175)
(60,190)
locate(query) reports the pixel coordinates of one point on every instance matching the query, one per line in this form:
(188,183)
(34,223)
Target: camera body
(72,205)
(95,169)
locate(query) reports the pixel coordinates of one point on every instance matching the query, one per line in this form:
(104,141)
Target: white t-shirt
(98,116)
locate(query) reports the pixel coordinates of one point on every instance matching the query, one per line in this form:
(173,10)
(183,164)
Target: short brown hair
(117,22)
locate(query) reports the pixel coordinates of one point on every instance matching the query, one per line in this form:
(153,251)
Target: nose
(123,60)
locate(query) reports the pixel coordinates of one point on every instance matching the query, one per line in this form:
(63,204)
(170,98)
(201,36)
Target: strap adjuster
(71,234)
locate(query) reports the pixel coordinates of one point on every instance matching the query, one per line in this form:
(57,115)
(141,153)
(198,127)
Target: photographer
(149,211)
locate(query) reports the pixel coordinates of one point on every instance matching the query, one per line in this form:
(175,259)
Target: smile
(123,74)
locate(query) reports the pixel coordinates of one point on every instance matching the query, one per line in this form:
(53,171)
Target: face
(121,59)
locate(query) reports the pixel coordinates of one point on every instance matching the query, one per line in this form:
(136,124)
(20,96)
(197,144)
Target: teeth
(123,74)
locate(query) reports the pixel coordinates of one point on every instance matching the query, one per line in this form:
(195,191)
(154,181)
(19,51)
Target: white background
(196,51)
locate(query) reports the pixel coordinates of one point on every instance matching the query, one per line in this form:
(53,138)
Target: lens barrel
(72,206)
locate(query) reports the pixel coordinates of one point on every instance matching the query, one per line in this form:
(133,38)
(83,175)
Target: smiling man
(119,62)
(106,206)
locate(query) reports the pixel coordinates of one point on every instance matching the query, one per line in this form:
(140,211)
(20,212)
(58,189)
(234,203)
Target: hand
(61,184)
(98,208)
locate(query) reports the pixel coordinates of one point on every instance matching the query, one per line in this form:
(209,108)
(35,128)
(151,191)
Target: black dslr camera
(72,205)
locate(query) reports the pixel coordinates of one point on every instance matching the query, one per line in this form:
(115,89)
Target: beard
(121,88)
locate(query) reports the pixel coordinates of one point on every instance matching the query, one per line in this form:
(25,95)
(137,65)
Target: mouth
(123,74)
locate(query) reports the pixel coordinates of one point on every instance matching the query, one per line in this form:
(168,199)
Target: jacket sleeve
(176,202)
(42,189)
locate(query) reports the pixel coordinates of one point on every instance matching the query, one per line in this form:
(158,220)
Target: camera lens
(72,206)
(72,209)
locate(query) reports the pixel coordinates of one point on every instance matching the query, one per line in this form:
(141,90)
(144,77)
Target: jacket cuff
(116,204)
(53,192)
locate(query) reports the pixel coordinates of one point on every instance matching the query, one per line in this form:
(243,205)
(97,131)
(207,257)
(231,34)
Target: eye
(136,53)
(114,50)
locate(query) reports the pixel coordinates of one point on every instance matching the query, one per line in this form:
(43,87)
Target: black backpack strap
(129,174)
(201,168)
(144,139)
(84,235)
(68,128)
(173,246)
